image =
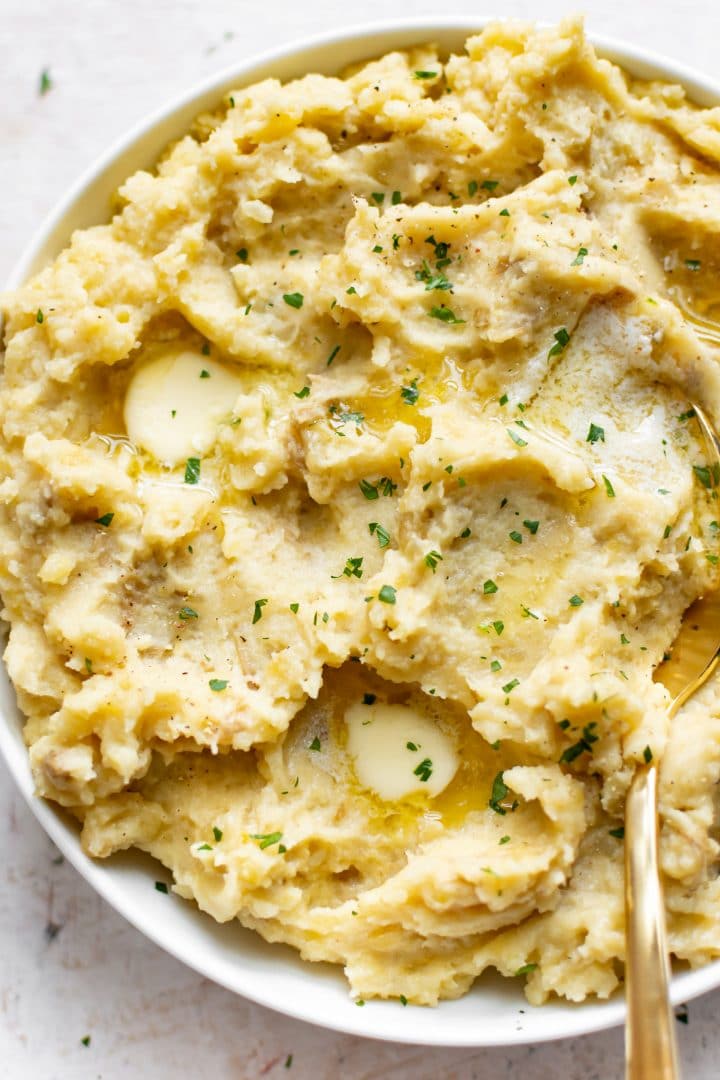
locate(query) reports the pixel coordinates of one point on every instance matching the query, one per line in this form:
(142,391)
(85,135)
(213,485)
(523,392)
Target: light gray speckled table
(69,966)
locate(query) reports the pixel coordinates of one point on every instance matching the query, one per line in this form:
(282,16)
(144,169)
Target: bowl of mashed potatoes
(350,496)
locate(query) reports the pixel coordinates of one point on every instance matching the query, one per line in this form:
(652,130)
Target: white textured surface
(69,966)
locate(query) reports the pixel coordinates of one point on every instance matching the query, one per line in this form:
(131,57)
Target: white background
(69,966)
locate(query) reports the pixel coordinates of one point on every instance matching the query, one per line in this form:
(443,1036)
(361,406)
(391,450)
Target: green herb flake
(526,969)
(532,526)
(266,839)
(609,489)
(288,1061)
(576,601)
(186,613)
(46,84)
(396,198)
(315,744)
(410,394)
(446,315)
(302,393)
(489,587)
(580,257)
(686,415)
(582,746)
(39,318)
(257,611)
(495,665)
(218,684)
(562,340)
(624,640)
(595,434)
(217,833)
(572,180)
(424,770)
(86,1038)
(294,299)
(381,533)
(503,400)
(618,833)
(504,840)
(377,249)
(161,887)
(489,185)
(498,793)
(472,188)
(105,519)
(516,438)
(332,356)
(509,687)
(369,490)
(426,74)
(704,475)
(516,537)
(387,594)
(432,558)
(294,608)
(693,264)
(242,255)
(192,470)
(378,197)
(647,755)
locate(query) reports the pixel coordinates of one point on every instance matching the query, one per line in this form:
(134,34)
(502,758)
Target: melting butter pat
(175,402)
(398,752)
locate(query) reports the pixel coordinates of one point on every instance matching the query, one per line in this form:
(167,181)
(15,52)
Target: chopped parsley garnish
(302,393)
(609,489)
(647,755)
(532,526)
(315,744)
(526,969)
(45,82)
(387,594)
(527,613)
(378,197)
(294,299)
(351,290)
(192,470)
(384,486)
(444,314)
(582,746)
(503,400)
(352,568)
(294,608)
(489,587)
(39,317)
(578,260)
(562,339)
(410,394)
(257,612)
(267,839)
(516,438)
(88,665)
(618,833)
(426,74)
(498,793)
(509,687)
(332,356)
(218,684)
(503,840)
(576,601)
(396,198)
(411,746)
(395,241)
(432,558)
(432,281)
(595,434)
(186,613)
(383,536)
(572,180)
(472,188)
(242,254)
(217,833)
(504,213)
(105,519)
(693,264)
(624,640)
(708,477)
(86,1038)
(288,1061)
(465,533)
(369,699)
(686,415)
(489,185)
(161,887)
(204,374)
(495,665)
(424,770)
(377,249)
(516,537)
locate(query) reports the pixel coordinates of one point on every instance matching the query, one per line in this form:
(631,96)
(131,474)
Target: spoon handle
(650,1047)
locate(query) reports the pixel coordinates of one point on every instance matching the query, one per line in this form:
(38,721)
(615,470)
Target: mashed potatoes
(351,494)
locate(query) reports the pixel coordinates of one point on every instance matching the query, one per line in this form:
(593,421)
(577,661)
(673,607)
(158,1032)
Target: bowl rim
(367,39)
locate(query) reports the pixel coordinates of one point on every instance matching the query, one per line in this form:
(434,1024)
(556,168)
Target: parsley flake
(424,770)
(218,684)
(410,394)
(266,839)
(387,594)
(294,299)
(432,558)
(186,613)
(381,533)
(302,393)
(105,519)
(444,314)
(595,434)
(562,339)
(192,470)
(489,587)
(257,613)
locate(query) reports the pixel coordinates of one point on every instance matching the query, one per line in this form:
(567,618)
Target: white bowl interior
(495,1012)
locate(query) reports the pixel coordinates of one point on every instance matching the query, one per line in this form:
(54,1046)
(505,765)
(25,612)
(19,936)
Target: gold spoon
(650,1045)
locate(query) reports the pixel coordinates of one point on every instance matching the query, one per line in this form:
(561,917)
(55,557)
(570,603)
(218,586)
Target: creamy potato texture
(351,495)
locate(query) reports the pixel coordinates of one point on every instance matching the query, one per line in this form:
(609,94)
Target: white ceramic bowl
(495,1013)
